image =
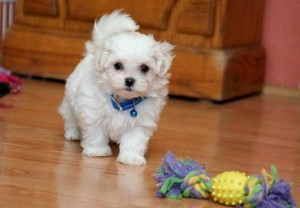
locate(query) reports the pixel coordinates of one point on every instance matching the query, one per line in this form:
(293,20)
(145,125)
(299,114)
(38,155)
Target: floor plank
(38,168)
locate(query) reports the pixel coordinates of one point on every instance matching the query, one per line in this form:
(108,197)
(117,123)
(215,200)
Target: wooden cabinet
(218,50)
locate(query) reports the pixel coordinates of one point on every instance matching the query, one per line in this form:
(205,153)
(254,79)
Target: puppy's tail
(111,24)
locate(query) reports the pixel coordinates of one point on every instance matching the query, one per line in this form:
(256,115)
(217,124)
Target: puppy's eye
(118,66)
(144,68)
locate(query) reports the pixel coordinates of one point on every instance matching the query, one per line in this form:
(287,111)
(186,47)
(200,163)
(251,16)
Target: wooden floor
(38,168)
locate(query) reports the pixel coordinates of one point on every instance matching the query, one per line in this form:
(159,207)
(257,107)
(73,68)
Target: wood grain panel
(192,69)
(218,74)
(150,14)
(41,7)
(196,17)
(50,16)
(44,42)
(244,73)
(242,22)
(50,56)
(30,63)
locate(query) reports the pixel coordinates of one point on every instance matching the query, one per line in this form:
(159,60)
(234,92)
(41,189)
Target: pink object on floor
(14,82)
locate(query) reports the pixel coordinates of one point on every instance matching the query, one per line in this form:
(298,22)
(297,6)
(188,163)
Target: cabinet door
(41,7)
(196,17)
(46,14)
(149,14)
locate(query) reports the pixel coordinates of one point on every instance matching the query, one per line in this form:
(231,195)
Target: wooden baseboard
(281,91)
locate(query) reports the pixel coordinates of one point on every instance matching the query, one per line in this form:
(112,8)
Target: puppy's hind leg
(71,128)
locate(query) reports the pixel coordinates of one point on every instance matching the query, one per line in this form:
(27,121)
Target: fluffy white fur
(86,108)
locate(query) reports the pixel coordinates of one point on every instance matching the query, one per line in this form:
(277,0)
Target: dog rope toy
(185,178)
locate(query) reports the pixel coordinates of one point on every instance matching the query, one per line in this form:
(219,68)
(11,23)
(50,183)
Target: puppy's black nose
(129,81)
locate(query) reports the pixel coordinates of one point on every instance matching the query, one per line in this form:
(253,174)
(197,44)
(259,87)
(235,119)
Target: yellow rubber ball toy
(229,187)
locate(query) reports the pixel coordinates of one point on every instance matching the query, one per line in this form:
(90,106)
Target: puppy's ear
(163,56)
(97,51)
(98,58)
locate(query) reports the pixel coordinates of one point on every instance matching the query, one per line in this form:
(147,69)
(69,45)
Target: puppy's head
(129,64)
(132,64)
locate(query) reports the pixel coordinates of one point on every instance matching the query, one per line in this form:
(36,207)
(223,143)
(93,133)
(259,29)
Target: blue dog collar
(127,104)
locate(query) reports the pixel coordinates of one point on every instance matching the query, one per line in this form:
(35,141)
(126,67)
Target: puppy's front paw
(131,158)
(96,151)
(72,134)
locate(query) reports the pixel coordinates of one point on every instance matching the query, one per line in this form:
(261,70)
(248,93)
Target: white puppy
(118,90)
